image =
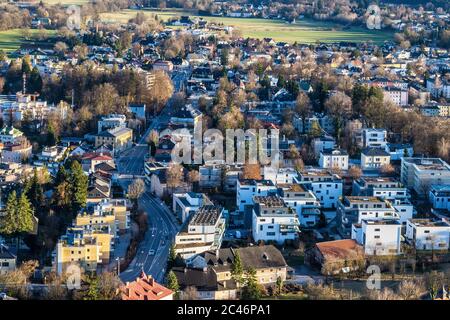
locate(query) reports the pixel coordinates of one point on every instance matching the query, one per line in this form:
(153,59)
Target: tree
(18,216)
(172,282)
(136,189)
(355,172)
(79,185)
(252,171)
(158,95)
(339,106)
(34,191)
(9,223)
(172,257)
(25,214)
(303,108)
(280,285)
(315,130)
(175,175)
(251,290)
(433,282)
(237,269)
(410,290)
(108,283)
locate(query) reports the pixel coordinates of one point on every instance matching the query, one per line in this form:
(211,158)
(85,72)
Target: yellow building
(114,212)
(75,248)
(119,138)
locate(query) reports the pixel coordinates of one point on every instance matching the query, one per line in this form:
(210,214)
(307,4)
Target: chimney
(151,281)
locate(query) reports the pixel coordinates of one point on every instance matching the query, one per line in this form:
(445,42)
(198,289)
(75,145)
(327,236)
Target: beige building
(374,158)
(119,138)
(7,260)
(87,249)
(210,273)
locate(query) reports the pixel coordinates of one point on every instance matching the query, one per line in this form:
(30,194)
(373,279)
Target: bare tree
(136,189)
(411,289)
(355,172)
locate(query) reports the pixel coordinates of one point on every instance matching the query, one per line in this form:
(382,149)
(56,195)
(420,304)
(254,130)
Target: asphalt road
(153,251)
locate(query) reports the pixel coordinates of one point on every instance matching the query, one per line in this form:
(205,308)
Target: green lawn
(304,31)
(11,40)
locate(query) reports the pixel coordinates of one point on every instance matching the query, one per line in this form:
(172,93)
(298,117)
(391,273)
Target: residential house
(184,205)
(119,138)
(326,186)
(145,288)
(353,209)
(273,220)
(203,232)
(378,237)
(334,159)
(427,234)
(419,174)
(374,138)
(374,158)
(7,260)
(333,257)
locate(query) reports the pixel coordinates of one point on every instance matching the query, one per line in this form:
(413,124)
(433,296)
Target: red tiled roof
(96,156)
(338,249)
(145,288)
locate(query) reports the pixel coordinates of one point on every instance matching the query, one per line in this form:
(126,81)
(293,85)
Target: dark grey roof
(375,152)
(5,253)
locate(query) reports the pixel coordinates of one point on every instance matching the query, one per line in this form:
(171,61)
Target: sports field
(11,40)
(303,31)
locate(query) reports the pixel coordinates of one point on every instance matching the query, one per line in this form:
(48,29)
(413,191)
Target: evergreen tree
(35,81)
(172,282)
(252,290)
(25,214)
(79,185)
(26,65)
(34,191)
(237,269)
(9,223)
(172,257)
(52,138)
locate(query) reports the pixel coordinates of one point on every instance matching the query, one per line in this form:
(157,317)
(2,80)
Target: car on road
(151,252)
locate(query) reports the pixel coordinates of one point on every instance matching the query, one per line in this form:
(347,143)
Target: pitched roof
(338,249)
(5,253)
(144,288)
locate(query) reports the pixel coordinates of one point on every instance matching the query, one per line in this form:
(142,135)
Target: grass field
(304,31)
(11,40)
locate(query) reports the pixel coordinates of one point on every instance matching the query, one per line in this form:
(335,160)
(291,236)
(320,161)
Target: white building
(323,143)
(354,209)
(426,234)
(379,237)
(184,205)
(111,121)
(273,220)
(374,158)
(439,196)
(302,201)
(279,175)
(248,188)
(203,232)
(327,187)
(399,150)
(331,159)
(420,173)
(396,95)
(210,176)
(374,138)
(22,104)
